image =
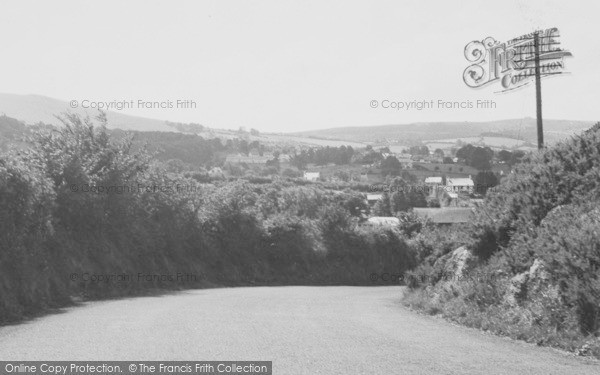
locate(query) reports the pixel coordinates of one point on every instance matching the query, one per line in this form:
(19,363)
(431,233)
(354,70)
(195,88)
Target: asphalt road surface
(303,330)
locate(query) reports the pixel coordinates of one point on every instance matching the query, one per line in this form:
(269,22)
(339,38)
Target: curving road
(303,330)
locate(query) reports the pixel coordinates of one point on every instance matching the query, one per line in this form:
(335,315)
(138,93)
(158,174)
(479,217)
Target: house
(384,221)
(445,215)
(457,185)
(373,198)
(312,176)
(433,181)
(433,184)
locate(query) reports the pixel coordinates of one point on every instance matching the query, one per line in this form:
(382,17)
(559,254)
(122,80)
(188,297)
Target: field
(312,141)
(492,142)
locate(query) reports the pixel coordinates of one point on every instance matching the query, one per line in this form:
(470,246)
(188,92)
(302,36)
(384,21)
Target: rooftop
(459,182)
(433,180)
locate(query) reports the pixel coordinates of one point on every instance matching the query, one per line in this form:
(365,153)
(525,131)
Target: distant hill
(12,133)
(522,129)
(32,109)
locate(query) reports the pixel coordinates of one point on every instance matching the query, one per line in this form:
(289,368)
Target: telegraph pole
(538,91)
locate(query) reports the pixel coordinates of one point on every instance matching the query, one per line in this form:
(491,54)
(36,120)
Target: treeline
(323,155)
(192,150)
(535,246)
(81,202)
(481,157)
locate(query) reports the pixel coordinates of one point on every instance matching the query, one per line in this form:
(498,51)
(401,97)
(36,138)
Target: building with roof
(457,185)
(374,198)
(312,176)
(433,181)
(384,221)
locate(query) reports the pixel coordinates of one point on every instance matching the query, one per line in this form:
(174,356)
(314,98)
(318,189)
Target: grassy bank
(535,248)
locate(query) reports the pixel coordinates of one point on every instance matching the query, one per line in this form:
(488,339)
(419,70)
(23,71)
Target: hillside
(32,109)
(520,129)
(518,133)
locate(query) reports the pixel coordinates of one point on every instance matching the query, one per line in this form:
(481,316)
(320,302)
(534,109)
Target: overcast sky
(290,65)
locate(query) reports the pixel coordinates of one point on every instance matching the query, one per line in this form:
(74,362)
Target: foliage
(538,230)
(84,201)
(485,180)
(476,157)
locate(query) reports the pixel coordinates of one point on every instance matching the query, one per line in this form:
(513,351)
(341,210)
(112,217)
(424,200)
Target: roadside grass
(516,323)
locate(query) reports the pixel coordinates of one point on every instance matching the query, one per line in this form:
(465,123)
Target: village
(453,182)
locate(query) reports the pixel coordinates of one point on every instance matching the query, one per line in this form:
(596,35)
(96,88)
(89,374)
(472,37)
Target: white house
(312,176)
(457,185)
(433,181)
(384,221)
(373,198)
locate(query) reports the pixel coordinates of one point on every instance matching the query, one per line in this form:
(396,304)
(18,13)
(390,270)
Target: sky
(283,66)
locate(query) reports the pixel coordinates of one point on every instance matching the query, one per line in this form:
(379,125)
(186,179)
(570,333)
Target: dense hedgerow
(80,202)
(538,234)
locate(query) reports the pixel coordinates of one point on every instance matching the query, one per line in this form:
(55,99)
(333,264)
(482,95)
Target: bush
(80,202)
(538,230)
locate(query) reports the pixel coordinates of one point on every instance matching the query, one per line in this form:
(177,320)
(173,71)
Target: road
(303,330)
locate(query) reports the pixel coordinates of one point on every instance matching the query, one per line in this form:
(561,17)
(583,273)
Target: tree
(274,163)
(505,156)
(476,157)
(342,175)
(391,166)
(419,150)
(465,152)
(516,157)
(485,180)
(480,159)
(439,152)
(371,157)
(399,202)
(244,147)
(300,160)
(383,206)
